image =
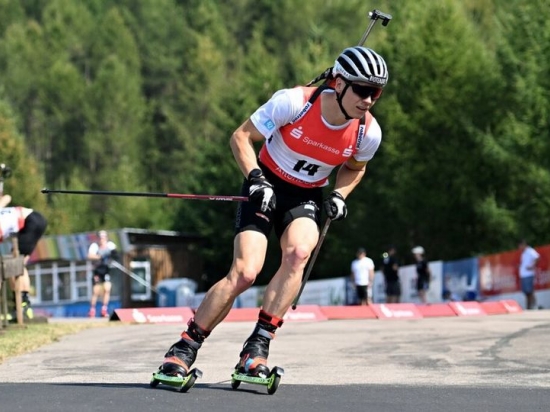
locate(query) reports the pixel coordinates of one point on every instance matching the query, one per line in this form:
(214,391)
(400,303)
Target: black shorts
(422,284)
(100,279)
(293,202)
(35,226)
(361,292)
(393,289)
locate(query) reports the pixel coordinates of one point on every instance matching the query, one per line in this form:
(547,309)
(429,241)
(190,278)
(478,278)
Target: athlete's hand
(335,206)
(261,191)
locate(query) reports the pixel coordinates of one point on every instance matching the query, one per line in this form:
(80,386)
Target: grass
(16,341)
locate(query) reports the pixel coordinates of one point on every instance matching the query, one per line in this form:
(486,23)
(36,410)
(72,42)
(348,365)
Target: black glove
(114,254)
(335,206)
(260,190)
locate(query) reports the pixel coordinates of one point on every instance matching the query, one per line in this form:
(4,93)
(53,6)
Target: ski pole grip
(377,14)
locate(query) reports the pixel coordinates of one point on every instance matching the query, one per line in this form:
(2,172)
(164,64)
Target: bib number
(310,168)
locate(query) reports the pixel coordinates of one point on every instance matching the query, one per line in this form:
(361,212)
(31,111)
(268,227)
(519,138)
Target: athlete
(101,253)
(307,132)
(29,226)
(422,272)
(362,276)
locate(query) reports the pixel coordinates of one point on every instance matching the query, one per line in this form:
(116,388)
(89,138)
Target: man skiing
(307,132)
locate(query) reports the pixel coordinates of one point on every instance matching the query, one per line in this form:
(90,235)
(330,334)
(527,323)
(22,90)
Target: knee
(296,257)
(243,276)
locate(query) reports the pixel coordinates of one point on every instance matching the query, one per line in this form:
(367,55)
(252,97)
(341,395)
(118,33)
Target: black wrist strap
(256,172)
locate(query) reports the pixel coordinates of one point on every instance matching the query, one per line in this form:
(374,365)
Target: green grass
(19,340)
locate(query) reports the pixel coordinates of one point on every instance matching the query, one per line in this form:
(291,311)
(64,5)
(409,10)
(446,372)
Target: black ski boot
(183,353)
(180,357)
(252,367)
(174,371)
(254,355)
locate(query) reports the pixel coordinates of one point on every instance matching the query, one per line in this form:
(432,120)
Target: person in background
(527,270)
(423,274)
(390,269)
(101,253)
(362,276)
(29,226)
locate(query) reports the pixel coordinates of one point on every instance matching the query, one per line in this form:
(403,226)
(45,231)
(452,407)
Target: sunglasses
(363,91)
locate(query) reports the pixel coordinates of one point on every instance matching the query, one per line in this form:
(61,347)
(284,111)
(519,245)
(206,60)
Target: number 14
(311,168)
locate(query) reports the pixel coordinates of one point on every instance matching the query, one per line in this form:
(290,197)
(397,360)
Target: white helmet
(361,64)
(418,250)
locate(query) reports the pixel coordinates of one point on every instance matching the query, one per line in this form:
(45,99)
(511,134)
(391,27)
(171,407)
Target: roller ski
(174,371)
(252,367)
(181,383)
(272,380)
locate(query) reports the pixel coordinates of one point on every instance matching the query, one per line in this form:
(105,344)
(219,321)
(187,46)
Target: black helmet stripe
(379,67)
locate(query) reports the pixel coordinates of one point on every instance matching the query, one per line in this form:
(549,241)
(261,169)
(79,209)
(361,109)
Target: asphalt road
(494,363)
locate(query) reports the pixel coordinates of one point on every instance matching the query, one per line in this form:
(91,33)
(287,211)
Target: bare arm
(349,175)
(93,256)
(242,146)
(5,200)
(534,265)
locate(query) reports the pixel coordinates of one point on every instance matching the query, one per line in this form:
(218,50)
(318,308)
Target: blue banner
(460,280)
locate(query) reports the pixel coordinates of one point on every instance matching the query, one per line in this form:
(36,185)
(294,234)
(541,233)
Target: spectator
(527,269)
(101,253)
(390,269)
(362,276)
(423,274)
(29,226)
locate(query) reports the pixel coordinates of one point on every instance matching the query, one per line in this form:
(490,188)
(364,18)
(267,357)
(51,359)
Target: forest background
(143,95)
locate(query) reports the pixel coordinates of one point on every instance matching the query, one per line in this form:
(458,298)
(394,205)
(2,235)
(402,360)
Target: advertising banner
(498,273)
(460,280)
(542,278)
(396,311)
(153,315)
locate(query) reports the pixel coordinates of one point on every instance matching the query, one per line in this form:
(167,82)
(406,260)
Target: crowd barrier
(316,313)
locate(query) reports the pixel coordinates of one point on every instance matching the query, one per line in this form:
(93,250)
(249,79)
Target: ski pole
(133,276)
(374,16)
(312,261)
(149,194)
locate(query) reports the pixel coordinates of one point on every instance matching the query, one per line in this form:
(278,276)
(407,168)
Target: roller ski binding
(174,371)
(272,380)
(252,366)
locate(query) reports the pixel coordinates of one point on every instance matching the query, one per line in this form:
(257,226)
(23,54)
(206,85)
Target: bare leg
(531,302)
(248,258)
(24,281)
(106,293)
(422,296)
(96,291)
(297,243)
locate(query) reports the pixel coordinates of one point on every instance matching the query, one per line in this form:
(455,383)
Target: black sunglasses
(363,91)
